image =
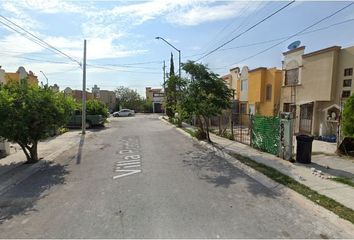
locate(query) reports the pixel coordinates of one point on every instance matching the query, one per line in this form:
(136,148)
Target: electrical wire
(296,34)
(247,30)
(39,39)
(119,70)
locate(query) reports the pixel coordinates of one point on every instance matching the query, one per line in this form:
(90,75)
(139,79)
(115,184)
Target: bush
(95,107)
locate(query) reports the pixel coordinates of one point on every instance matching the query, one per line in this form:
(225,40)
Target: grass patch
(324,201)
(191,132)
(344,180)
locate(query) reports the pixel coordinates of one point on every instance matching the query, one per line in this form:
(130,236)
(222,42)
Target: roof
(294,50)
(333,48)
(257,69)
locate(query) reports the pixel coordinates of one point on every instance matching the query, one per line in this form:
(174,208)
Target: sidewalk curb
(278,188)
(20,173)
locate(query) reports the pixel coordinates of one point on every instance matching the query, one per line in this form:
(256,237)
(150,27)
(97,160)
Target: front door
(306,113)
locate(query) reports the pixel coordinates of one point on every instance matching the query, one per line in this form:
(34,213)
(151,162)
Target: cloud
(202,13)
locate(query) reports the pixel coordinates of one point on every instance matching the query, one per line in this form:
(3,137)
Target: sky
(121,45)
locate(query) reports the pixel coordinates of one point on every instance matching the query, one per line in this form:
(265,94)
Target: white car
(124,113)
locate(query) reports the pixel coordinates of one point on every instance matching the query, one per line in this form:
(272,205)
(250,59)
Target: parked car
(91,120)
(124,113)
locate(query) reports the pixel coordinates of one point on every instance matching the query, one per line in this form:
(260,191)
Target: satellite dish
(294,45)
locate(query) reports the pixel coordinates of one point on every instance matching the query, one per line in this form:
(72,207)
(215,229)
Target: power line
(119,70)
(298,33)
(39,39)
(280,38)
(35,59)
(247,30)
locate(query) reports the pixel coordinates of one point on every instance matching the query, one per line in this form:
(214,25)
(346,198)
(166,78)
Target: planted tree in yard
(206,95)
(95,107)
(174,89)
(129,98)
(28,113)
(348,117)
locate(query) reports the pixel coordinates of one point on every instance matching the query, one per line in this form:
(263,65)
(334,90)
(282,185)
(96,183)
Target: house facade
(315,86)
(19,75)
(264,91)
(77,94)
(256,91)
(105,96)
(156,96)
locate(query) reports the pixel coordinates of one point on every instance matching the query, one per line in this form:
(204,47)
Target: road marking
(131,166)
(128,172)
(131,158)
(126,164)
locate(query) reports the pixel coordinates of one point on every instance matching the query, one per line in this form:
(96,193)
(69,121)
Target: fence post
(232,126)
(251,129)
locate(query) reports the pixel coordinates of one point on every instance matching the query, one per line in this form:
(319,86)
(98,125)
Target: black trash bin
(304,148)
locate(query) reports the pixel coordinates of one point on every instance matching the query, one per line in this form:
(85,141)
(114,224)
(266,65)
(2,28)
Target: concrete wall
(108,98)
(318,83)
(244,77)
(2,76)
(346,60)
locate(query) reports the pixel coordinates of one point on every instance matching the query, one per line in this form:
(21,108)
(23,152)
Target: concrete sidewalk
(342,193)
(13,170)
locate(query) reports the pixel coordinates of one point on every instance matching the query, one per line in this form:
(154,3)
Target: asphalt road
(140,178)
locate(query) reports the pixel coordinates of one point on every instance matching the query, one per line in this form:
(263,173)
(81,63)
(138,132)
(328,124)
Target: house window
(291,77)
(289,107)
(243,85)
(345,94)
(347,83)
(348,72)
(243,108)
(268,92)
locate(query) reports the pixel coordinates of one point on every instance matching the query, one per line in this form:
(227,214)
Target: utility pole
(164,85)
(83,114)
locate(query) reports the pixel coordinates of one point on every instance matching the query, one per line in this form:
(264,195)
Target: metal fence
(266,133)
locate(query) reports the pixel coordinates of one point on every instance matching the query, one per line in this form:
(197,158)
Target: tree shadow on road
(22,198)
(221,173)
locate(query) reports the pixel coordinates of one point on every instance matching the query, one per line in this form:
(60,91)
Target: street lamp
(179,54)
(44,76)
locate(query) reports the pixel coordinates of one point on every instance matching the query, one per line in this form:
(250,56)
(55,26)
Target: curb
(20,173)
(273,186)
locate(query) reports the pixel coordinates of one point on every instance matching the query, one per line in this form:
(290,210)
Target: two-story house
(20,75)
(314,87)
(256,91)
(156,96)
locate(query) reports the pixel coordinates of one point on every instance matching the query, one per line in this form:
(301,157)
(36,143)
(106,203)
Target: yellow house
(8,77)
(264,91)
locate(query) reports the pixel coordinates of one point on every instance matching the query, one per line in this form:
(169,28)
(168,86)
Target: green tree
(95,107)
(348,117)
(205,95)
(129,98)
(29,113)
(174,86)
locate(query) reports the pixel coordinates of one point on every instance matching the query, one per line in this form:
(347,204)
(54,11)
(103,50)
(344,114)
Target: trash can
(304,148)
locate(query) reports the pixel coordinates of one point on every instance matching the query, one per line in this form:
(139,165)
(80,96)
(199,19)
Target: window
(289,107)
(345,94)
(348,72)
(291,77)
(158,94)
(268,92)
(243,108)
(347,83)
(243,85)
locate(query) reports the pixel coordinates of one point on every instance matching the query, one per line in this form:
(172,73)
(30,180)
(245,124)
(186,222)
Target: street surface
(140,178)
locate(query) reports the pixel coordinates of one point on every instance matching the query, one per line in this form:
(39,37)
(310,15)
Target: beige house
(314,87)
(107,97)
